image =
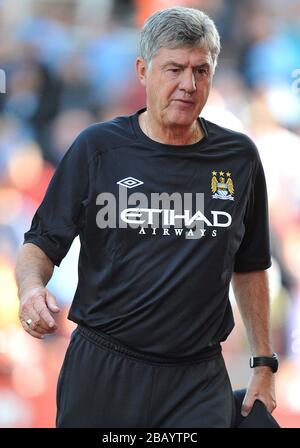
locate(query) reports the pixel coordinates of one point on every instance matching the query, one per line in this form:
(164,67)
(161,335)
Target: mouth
(185,102)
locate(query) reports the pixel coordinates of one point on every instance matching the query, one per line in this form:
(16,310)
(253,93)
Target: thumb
(247,405)
(51,303)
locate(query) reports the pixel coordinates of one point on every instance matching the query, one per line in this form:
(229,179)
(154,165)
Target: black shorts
(104,384)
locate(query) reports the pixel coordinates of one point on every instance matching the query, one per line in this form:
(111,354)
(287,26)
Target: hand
(261,387)
(37,304)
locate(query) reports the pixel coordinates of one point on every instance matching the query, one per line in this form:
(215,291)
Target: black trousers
(104,384)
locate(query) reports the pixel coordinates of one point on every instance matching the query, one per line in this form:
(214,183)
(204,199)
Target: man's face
(177,84)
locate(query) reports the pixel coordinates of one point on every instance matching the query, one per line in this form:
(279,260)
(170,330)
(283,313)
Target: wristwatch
(269,361)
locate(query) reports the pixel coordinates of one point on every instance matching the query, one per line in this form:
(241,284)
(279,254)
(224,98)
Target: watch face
(275,362)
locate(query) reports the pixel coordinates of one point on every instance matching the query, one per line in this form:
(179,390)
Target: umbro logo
(130,182)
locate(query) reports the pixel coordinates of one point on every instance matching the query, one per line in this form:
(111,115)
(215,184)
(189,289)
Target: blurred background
(68,63)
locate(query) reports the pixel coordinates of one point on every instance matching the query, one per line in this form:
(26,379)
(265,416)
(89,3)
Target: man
(169,207)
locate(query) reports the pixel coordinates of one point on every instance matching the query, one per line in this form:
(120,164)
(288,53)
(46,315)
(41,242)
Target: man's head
(179,27)
(179,48)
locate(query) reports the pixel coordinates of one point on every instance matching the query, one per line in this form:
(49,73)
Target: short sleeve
(58,219)
(254,251)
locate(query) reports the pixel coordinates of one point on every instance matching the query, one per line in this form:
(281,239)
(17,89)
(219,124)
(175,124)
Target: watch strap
(265,361)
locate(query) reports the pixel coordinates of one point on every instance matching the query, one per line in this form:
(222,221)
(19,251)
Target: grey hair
(179,27)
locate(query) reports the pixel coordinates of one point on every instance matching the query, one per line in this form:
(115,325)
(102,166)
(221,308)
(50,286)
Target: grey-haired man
(152,300)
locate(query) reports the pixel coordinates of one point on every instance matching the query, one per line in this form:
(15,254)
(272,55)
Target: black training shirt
(145,276)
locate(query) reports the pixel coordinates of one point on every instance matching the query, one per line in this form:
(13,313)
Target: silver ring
(28,322)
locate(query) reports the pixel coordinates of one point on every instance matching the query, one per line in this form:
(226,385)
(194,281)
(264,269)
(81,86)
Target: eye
(174,70)
(202,71)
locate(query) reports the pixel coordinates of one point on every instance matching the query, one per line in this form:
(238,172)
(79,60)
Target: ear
(141,70)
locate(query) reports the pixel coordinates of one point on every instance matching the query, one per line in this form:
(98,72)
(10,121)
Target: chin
(182,118)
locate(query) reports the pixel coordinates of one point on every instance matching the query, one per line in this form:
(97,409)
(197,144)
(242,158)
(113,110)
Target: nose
(188,83)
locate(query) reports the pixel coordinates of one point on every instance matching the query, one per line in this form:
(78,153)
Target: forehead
(183,55)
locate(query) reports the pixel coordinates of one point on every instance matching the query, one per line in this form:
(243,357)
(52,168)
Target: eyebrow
(176,64)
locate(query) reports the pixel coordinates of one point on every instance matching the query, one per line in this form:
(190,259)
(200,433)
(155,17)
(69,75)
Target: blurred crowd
(69,63)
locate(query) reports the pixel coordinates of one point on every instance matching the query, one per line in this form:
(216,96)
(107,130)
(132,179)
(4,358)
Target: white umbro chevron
(130,182)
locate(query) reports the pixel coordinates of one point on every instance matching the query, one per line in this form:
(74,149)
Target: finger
(45,320)
(274,406)
(29,313)
(42,330)
(33,326)
(36,327)
(51,303)
(247,405)
(36,323)
(33,333)
(271,406)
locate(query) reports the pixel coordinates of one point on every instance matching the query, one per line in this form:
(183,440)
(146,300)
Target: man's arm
(33,271)
(252,297)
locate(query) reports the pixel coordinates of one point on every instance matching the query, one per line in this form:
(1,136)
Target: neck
(170,135)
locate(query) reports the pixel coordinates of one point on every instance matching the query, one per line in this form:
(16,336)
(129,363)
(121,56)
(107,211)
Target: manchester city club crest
(222,186)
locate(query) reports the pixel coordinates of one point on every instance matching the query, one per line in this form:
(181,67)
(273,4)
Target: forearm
(33,268)
(252,296)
